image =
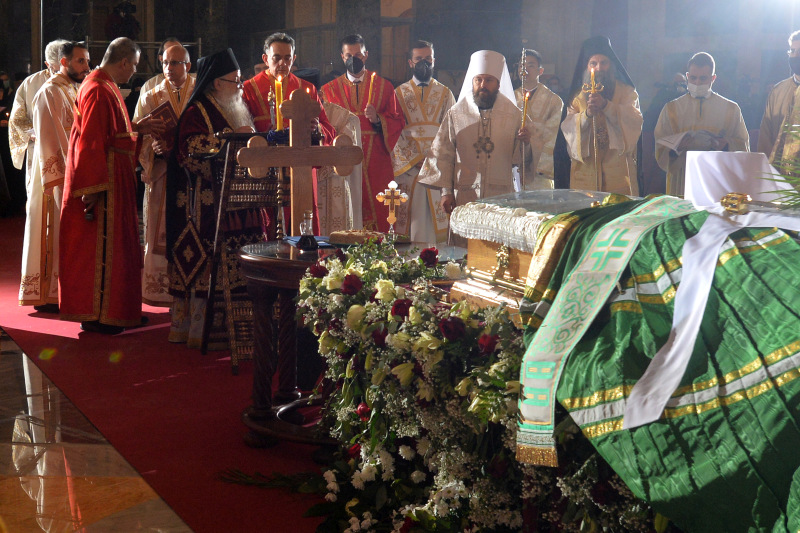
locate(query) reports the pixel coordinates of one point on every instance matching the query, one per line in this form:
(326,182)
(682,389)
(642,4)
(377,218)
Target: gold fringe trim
(535,455)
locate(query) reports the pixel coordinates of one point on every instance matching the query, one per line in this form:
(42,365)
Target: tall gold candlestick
(525,108)
(371,85)
(278,102)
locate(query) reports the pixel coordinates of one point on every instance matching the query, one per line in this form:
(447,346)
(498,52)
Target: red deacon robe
(101,259)
(256,95)
(377,166)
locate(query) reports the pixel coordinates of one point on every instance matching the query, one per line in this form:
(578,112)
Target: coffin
(501,235)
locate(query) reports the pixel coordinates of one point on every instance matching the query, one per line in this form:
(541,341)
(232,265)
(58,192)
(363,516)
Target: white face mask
(699,91)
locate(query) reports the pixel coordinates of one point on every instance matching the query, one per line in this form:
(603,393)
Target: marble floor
(57,472)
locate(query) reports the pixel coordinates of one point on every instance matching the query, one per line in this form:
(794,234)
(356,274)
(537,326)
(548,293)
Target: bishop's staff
(594,88)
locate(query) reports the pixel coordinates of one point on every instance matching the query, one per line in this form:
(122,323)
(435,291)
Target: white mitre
(492,63)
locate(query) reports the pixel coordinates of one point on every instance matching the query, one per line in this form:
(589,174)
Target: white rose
(453,271)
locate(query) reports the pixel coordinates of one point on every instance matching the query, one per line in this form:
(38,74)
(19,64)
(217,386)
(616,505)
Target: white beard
(236,110)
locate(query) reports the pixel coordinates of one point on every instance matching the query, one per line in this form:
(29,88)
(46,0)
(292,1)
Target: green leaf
(380,497)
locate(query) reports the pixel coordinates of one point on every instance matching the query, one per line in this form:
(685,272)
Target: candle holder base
(307,243)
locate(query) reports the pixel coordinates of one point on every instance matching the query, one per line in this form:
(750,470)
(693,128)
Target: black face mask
(423,71)
(794,64)
(354,65)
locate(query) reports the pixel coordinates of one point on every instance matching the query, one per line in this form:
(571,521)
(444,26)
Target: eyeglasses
(239,83)
(166,64)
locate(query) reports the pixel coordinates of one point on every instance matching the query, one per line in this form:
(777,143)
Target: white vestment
(779,103)
(544,117)
(421,217)
(52,109)
(715,114)
(618,128)
(20,120)
(150,84)
(339,197)
(473,151)
(155,282)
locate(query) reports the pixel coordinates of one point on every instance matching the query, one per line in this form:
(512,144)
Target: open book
(698,140)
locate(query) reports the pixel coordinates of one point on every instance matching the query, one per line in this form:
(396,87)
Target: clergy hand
(448,203)
(245,129)
(159,147)
(89,201)
(312,125)
(371,113)
(150,126)
(719,144)
(524,135)
(596,104)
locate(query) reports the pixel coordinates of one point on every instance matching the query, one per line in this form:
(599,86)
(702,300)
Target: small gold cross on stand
(393,198)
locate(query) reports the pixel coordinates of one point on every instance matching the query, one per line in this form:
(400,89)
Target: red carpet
(171,412)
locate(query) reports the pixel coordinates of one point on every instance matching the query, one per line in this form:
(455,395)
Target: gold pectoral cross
(485,145)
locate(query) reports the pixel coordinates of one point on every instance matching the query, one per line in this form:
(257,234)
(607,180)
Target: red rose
(488,343)
(340,255)
(379,337)
(363,411)
(401,307)
(351,284)
(354,451)
(498,467)
(318,270)
(407,525)
(429,257)
(453,328)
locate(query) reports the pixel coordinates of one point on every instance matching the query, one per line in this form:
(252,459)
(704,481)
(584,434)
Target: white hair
(51,53)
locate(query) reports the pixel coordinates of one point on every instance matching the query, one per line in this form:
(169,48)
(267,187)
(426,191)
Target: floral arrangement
(423,396)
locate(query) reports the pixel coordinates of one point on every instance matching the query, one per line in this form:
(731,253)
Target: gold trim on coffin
(495,276)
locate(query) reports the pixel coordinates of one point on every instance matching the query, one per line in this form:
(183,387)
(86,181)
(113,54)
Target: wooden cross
(393,198)
(300,156)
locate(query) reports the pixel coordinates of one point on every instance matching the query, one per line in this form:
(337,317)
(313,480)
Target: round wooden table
(273,271)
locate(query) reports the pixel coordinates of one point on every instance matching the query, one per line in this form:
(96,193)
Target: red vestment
(101,259)
(377,146)
(256,95)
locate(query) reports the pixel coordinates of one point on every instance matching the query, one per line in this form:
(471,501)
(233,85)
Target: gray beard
(236,110)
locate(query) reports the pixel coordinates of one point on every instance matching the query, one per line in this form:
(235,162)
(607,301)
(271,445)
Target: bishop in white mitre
(472,153)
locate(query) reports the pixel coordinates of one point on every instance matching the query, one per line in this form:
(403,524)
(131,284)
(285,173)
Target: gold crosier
(593,88)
